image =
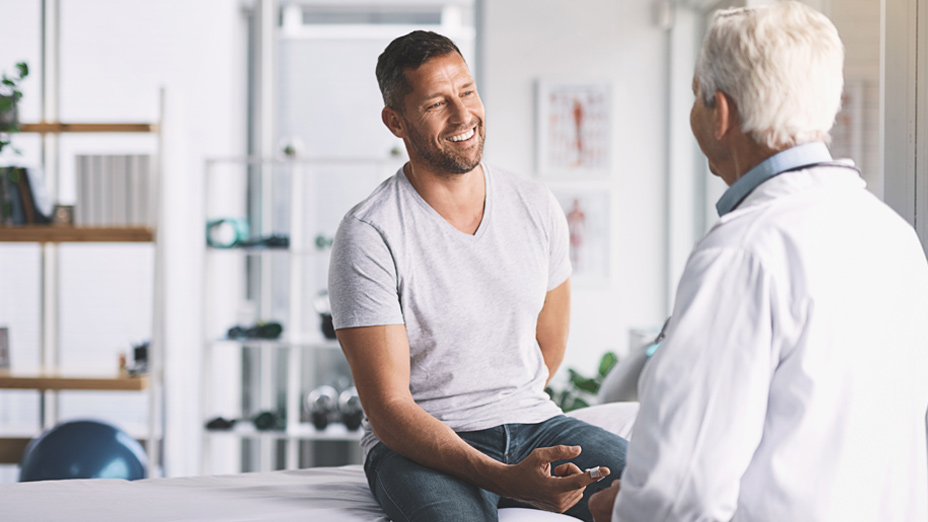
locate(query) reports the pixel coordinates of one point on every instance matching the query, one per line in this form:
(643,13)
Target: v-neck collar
(487,200)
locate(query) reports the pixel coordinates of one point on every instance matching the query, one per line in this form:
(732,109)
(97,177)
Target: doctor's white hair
(781,65)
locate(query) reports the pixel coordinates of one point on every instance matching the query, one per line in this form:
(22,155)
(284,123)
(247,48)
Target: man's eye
(468,93)
(435,105)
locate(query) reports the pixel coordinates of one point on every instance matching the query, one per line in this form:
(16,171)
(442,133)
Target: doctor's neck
(743,155)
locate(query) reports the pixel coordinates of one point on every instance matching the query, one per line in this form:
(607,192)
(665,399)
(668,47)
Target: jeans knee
(455,510)
(410,492)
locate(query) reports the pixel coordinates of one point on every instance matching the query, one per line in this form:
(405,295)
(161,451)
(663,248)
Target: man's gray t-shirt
(470,303)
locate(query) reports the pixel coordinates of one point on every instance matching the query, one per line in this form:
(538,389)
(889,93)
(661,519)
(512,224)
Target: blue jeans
(408,491)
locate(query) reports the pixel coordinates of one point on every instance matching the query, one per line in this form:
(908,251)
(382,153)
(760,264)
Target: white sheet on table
(317,494)
(307,495)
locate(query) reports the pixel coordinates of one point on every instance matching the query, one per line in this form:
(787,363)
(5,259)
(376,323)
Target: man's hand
(602,502)
(530,481)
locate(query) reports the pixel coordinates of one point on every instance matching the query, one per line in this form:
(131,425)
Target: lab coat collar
(789,159)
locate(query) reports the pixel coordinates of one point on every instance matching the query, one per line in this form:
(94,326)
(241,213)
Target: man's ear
(726,114)
(394,121)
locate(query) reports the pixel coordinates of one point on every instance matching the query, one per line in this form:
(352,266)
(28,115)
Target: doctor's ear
(394,121)
(726,114)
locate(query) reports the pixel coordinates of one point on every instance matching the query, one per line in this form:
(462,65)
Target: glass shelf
(277,343)
(303,431)
(254,251)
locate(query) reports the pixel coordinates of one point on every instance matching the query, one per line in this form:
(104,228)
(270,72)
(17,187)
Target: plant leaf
(579,403)
(608,361)
(583,383)
(23,69)
(588,385)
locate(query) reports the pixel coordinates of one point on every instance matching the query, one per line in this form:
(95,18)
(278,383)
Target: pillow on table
(615,417)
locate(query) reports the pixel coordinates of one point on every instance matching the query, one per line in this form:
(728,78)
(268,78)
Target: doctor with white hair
(791,384)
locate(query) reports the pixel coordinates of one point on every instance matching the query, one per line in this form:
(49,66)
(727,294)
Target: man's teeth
(461,137)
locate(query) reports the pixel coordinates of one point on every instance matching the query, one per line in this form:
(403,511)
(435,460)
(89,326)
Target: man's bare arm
(379,360)
(553,326)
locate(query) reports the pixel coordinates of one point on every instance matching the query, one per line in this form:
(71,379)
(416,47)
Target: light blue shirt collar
(798,156)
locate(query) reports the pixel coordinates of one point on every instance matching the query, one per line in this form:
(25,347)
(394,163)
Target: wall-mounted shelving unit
(51,379)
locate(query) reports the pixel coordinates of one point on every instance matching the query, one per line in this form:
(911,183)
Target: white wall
(524,40)
(856,134)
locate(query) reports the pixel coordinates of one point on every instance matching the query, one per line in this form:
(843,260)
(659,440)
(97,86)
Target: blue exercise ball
(83,449)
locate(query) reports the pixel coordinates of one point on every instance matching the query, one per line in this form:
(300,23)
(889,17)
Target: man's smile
(464,136)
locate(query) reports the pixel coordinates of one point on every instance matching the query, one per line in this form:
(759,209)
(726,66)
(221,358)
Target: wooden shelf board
(56,381)
(58,127)
(12,449)
(65,234)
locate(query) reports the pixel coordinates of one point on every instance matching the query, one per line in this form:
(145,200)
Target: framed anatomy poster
(587,211)
(573,129)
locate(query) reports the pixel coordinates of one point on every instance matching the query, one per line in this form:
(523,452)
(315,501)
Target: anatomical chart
(573,129)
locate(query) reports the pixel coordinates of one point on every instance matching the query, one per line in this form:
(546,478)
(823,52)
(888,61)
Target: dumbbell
(320,404)
(263,421)
(349,407)
(324,403)
(260,330)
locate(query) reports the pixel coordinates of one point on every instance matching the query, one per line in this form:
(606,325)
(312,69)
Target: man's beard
(447,160)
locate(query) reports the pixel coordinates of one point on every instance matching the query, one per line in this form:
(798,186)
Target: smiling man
(450,296)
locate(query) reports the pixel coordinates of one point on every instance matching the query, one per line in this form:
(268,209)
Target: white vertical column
(898,45)
(156,342)
(265,95)
(50,359)
(683,210)
(50,291)
(265,76)
(51,47)
(294,323)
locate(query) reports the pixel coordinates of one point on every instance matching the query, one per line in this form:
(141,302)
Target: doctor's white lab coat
(792,385)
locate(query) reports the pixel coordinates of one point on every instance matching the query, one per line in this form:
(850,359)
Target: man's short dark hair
(408,52)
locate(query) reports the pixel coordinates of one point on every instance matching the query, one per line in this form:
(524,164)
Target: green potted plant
(580,391)
(10,94)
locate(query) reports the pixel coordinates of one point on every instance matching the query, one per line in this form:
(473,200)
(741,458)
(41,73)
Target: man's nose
(459,112)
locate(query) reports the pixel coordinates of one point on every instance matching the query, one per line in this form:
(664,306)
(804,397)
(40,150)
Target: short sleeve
(362,277)
(558,244)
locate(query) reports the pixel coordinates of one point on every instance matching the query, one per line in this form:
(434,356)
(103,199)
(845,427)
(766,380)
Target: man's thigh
(598,448)
(408,491)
